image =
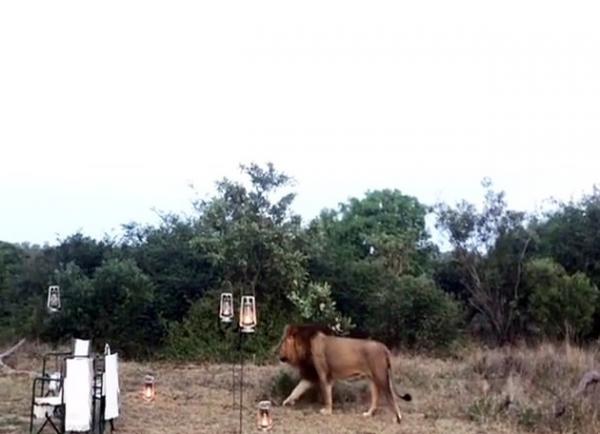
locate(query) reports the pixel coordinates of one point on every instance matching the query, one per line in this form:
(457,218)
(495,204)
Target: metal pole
(241,381)
(233,383)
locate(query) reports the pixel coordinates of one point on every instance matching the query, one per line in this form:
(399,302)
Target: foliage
(316,305)
(364,244)
(10,305)
(571,237)
(201,336)
(87,253)
(168,255)
(252,238)
(414,312)
(114,306)
(561,305)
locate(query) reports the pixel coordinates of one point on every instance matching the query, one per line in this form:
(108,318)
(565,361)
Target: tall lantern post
(246,325)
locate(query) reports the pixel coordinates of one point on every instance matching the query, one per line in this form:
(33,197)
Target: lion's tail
(406,396)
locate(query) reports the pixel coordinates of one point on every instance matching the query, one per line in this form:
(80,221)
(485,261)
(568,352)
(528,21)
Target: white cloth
(81,348)
(111,386)
(54,384)
(78,394)
(45,405)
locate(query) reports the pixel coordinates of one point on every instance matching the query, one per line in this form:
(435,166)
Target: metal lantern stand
(246,325)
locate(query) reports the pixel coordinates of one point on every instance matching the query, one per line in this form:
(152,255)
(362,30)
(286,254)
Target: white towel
(111,386)
(82,348)
(54,383)
(78,394)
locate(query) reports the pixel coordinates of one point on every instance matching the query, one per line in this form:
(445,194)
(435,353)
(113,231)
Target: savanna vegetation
(368,264)
(502,299)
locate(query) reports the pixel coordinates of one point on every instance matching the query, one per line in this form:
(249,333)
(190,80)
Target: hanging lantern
(264,420)
(248,314)
(149,388)
(53,303)
(226,309)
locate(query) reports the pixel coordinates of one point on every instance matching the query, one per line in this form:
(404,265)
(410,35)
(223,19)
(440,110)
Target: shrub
(414,312)
(280,385)
(560,304)
(201,336)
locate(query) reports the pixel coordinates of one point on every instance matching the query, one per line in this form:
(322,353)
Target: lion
(322,358)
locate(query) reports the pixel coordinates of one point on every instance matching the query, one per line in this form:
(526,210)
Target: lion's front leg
(298,391)
(327,388)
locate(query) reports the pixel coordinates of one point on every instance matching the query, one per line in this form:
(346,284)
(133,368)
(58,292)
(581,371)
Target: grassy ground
(501,391)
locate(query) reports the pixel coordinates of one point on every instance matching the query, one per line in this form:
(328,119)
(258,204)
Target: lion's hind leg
(374,398)
(298,391)
(383,381)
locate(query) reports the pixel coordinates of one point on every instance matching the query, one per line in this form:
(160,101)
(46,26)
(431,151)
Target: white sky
(108,109)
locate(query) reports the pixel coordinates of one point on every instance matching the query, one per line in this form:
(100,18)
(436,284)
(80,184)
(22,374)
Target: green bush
(201,336)
(414,312)
(560,304)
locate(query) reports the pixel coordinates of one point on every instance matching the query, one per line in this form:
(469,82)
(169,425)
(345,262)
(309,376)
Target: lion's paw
(326,411)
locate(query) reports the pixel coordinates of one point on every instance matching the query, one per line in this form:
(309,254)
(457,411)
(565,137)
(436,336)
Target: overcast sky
(110,109)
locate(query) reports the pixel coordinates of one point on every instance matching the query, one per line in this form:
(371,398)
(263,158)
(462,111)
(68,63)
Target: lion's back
(346,357)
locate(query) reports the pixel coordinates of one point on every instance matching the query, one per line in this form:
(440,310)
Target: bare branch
(10,351)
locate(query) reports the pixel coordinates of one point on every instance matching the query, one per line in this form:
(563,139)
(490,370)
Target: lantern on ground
(264,420)
(53,302)
(248,314)
(149,388)
(226,308)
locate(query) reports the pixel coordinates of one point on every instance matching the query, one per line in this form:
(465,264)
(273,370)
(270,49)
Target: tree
(113,306)
(121,308)
(10,305)
(489,247)
(366,242)
(179,268)
(570,235)
(84,251)
(252,237)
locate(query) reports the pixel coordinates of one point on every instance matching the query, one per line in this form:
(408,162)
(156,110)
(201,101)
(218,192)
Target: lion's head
(288,347)
(294,347)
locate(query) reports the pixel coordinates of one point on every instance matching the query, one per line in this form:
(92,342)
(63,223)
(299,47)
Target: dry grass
(494,391)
